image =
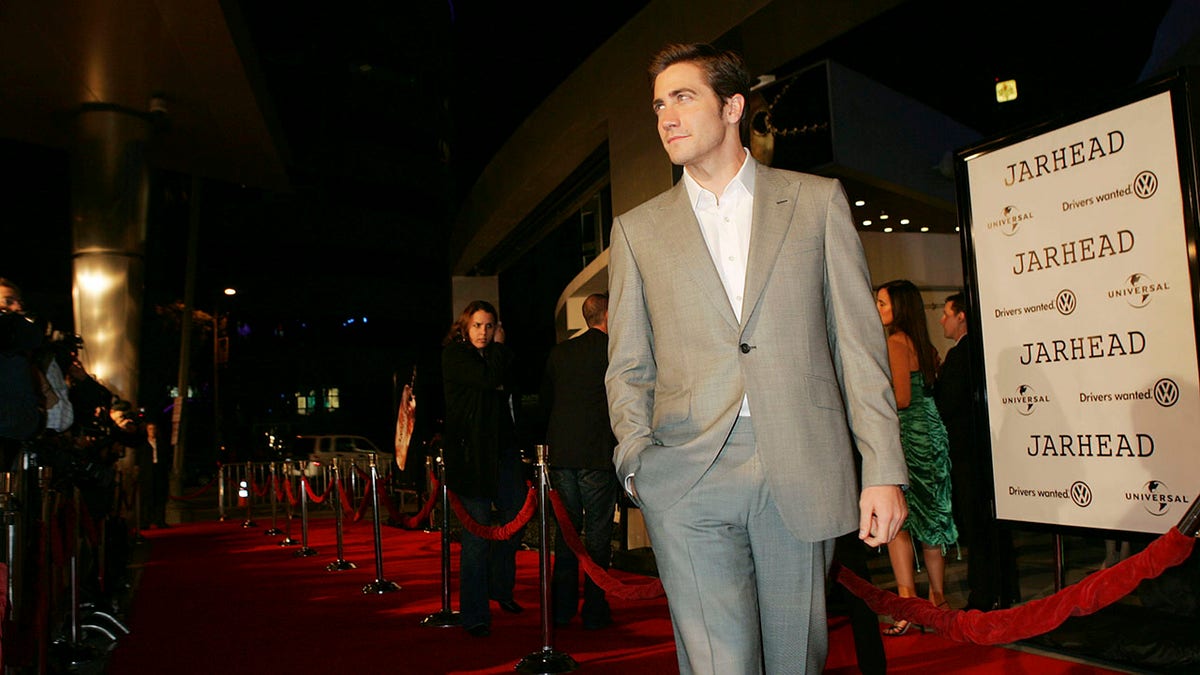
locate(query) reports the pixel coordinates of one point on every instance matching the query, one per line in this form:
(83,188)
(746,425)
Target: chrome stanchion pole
(10,510)
(247,491)
(273,486)
(447,616)
(222,476)
(380,585)
(340,563)
(304,551)
(137,506)
(289,510)
(545,660)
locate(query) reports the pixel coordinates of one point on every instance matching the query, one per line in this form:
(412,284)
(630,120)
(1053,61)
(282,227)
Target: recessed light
(887,229)
(860,203)
(924,229)
(866,223)
(904,221)
(883,216)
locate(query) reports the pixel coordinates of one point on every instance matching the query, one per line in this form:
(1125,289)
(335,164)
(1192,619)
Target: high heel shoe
(897,628)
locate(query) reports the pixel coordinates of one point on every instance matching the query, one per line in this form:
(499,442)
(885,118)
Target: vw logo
(1081,494)
(1145,184)
(1166,392)
(1065,302)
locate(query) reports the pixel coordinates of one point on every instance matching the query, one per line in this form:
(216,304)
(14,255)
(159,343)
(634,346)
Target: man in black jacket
(581,470)
(991,563)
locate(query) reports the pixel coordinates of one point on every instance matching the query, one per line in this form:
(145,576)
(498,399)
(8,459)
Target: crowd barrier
(70,535)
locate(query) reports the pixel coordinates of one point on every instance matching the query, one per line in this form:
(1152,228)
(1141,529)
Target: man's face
(693,122)
(481,329)
(954,324)
(10,300)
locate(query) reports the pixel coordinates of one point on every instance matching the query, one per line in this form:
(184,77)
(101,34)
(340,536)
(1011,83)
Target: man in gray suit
(745,358)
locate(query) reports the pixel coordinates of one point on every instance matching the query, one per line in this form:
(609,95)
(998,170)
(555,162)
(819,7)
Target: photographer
(20,409)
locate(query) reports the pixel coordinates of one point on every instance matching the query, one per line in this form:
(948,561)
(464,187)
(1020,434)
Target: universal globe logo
(1025,400)
(1010,218)
(1156,498)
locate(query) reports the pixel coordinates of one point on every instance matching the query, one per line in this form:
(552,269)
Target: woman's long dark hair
(458,329)
(908,317)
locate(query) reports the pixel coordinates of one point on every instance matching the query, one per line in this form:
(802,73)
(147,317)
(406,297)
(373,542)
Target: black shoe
(479,630)
(510,606)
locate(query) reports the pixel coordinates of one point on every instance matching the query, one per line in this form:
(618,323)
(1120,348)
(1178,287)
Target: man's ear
(735,107)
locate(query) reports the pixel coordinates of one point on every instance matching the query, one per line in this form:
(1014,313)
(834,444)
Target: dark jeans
(489,568)
(590,497)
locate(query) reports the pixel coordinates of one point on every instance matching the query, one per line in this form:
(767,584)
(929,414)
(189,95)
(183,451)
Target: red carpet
(219,598)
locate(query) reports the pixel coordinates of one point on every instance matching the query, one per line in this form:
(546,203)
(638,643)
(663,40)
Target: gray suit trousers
(726,559)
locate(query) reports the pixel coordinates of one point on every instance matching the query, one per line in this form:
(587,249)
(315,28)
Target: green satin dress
(926,451)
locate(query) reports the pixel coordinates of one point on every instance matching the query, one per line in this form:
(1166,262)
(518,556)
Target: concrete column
(110,189)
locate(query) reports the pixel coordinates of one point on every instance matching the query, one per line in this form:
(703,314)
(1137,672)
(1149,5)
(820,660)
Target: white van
(319,451)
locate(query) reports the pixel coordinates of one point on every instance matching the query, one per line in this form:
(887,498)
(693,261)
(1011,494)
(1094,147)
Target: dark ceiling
(384,113)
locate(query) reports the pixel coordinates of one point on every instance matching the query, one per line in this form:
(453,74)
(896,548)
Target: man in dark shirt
(991,564)
(581,470)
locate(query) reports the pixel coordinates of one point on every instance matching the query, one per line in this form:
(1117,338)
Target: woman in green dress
(914,361)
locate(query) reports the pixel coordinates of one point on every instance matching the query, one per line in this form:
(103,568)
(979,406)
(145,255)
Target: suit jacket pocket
(672,415)
(824,393)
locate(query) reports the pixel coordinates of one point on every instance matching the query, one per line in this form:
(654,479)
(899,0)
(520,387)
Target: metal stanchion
(245,490)
(288,508)
(273,486)
(380,585)
(304,551)
(340,563)
(137,506)
(222,476)
(9,509)
(447,616)
(545,660)
(433,467)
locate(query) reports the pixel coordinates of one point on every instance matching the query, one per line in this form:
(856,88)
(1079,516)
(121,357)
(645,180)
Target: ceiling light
(860,203)
(866,223)
(883,216)
(924,229)
(904,221)
(887,229)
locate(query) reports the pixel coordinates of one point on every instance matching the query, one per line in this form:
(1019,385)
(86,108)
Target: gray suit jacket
(809,353)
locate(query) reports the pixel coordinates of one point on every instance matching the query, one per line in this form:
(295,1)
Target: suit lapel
(681,232)
(774,204)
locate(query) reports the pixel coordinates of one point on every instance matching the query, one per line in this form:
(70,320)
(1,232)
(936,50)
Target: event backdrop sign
(1078,241)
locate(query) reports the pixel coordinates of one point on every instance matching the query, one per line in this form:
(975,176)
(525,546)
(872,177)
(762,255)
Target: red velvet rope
(199,491)
(497,532)
(1096,591)
(254,487)
(313,495)
(610,585)
(412,523)
(291,496)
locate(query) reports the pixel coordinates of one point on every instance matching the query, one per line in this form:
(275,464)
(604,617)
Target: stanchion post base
(338,565)
(547,661)
(272,531)
(305,552)
(380,586)
(442,619)
(288,541)
(249,523)
(74,655)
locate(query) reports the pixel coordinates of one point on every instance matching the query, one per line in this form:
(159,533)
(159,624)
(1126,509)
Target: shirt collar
(743,180)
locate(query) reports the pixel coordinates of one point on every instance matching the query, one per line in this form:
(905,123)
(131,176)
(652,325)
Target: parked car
(319,451)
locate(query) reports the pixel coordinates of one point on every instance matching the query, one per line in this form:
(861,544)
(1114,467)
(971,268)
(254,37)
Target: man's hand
(883,510)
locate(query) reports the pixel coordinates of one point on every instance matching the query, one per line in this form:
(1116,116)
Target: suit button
(745,348)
